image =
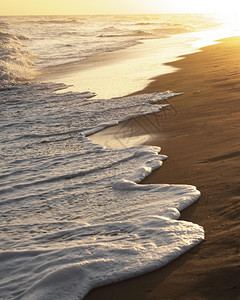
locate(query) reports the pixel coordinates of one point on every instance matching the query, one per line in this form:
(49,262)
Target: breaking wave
(16,62)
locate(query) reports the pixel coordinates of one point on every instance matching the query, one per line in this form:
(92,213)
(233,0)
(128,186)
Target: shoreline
(201,141)
(124,71)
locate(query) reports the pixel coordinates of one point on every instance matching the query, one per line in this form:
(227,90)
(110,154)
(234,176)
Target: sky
(80,7)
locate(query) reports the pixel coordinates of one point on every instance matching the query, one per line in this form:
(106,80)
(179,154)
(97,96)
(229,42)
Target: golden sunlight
(229,9)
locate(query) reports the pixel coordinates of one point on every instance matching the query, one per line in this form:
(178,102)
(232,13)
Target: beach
(76,215)
(200,136)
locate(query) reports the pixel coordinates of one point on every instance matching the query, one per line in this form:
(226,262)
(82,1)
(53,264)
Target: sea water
(74,215)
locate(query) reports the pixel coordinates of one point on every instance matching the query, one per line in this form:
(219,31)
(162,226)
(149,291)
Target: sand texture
(200,133)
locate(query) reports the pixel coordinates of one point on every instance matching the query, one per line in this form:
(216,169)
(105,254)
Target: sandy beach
(200,135)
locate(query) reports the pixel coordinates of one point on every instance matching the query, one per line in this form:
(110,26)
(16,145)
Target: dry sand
(200,133)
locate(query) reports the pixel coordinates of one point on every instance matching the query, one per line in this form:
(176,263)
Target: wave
(137,33)
(47,19)
(3,24)
(59,21)
(73,212)
(16,62)
(145,23)
(147,30)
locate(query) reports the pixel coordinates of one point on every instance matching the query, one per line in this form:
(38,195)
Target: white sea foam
(73,214)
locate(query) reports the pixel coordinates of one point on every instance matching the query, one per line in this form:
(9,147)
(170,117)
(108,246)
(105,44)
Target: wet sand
(200,133)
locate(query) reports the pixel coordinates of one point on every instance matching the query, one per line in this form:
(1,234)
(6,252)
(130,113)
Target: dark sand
(201,136)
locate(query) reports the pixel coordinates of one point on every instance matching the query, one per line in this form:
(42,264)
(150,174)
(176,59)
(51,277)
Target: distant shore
(200,135)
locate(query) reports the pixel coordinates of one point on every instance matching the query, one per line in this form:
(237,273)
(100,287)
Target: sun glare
(229,13)
(225,9)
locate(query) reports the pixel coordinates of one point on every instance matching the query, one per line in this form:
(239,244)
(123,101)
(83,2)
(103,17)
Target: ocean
(74,214)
